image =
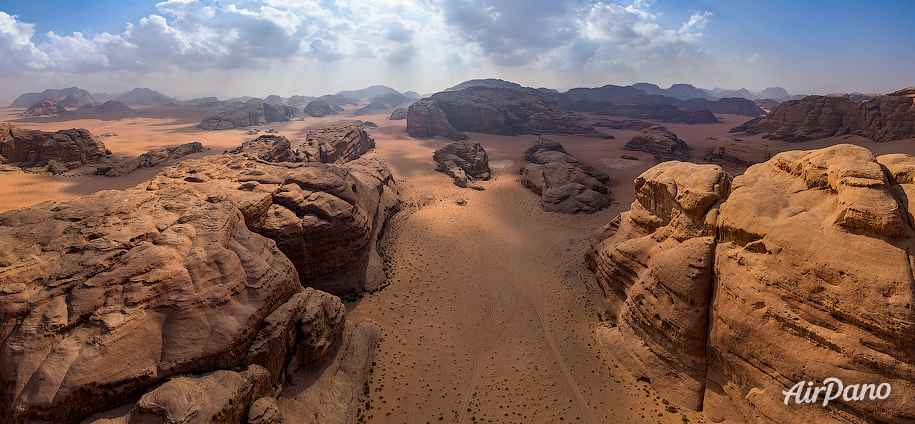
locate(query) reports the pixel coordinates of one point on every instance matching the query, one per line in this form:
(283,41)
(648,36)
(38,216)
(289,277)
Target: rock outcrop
(465,162)
(273,99)
(804,269)
(661,142)
(318,109)
(740,153)
(398,114)
(491,111)
(268,148)
(46,107)
(112,106)
(564,184)
(391,99)
(883,118)
(75,101)
(373,107)
(30,148)
(143,96)
(335,144)
(157,157)
(256,114)
(325,218)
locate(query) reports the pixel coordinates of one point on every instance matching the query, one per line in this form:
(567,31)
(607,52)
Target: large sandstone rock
(268,148)
(335,144)
(106,295)
(883,118)
(318,109)
(740,153)
(112,106)
(654,264)
(491,111)
(565,184)
(255,114)
(661,142)
(326,218)
(810,279)
(465,162)
(34,147)
(46,107)
(398,114)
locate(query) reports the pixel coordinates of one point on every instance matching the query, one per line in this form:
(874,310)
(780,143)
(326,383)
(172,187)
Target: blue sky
(260,47)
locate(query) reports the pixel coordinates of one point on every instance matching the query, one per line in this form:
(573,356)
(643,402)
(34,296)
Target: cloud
(17,52)
(635,28)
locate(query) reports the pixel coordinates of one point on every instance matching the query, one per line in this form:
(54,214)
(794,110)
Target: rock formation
(564,184)
(75,101)
(338,100)
(257,114)
(56,95)
(393,99)
(335,144)
(661,142)
(661,111)
(75,147)
(371,108)
(398,114)
(143,96)
(465,162)
(157,157)
(46,107)
(130,296)
(883,118)
(740,153)
(491,111)
(318,109)
(273,99)
(625,124)
(112,106)
(802,265)
(268,148)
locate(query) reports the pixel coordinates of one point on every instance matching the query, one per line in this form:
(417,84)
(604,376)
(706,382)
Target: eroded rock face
(883,118)
(491,111)
(464,161)
(318,109)
(398,114)
(325,218)
(35,147)
(740,153)
(654,264)
(335,144)
(268,148)
(256,114)
(661,142)
(46,107)
(811,280)
(565,184)
(106,295)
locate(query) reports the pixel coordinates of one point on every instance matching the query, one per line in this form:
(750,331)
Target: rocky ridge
(725,293)
(251,115)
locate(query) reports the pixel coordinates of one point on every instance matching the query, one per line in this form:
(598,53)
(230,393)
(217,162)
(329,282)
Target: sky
(227,48)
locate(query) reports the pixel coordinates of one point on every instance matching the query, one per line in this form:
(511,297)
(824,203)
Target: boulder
(46,107)
(491,111)
(318,109)
(809,279)
(564,184)
(255,114)
(464,161)
(36,148)
(107,295)
(335,144)
(661,142)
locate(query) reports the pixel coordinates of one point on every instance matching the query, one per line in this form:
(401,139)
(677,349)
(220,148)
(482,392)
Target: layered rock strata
(804,269)
(35,147)
(565,184)
(335,144)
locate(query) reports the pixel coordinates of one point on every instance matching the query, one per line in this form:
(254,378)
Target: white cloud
(635,28)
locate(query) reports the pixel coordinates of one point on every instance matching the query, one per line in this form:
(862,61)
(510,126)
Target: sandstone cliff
(565,184)
(804,269)
(491,111)
(883,118)
(34,147)
(46,107)
(318,109)
(256,114)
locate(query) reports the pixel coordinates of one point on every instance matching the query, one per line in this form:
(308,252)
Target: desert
(225,237)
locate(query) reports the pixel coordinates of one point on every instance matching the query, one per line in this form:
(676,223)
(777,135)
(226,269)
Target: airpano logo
(832,389)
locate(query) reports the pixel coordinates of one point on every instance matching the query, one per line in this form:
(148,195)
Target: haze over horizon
(189,48)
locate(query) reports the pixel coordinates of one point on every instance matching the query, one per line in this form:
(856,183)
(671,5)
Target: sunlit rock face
(803,264)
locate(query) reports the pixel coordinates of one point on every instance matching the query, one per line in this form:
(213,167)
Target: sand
(491,311)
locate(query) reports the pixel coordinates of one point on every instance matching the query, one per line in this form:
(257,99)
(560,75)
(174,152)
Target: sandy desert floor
(491,311)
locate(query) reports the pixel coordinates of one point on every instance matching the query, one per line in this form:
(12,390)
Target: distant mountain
(299,100)
(274,100)
(615,94)
(390,99)
(29,99)
(367,93)
(488,83)
(677,91)
(773,93)
(143,96)
(104,97)
(412,95)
